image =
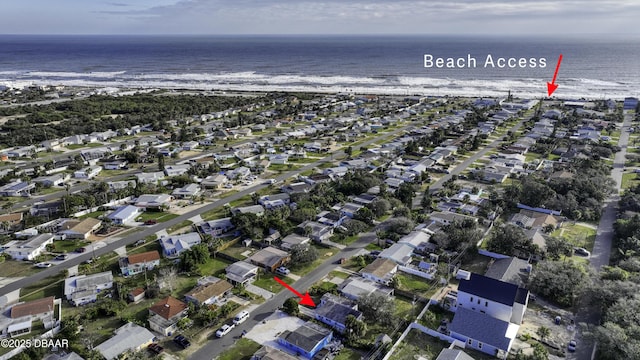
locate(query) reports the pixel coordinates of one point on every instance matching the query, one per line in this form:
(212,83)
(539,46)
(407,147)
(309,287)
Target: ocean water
(591,68)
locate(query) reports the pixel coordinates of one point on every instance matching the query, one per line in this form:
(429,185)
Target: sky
(461,17)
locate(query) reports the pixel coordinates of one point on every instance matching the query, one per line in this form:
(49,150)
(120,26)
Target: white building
(83,289)
(87,173)
(30,249)
(125,214)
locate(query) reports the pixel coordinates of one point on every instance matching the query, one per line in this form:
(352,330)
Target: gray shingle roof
(480,327)
(492,289)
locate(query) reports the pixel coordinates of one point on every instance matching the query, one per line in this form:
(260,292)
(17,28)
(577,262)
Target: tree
(558,281)
(510,240)
(354,328)
(405,194)
(303,254)
(160,162)
(379,206)
(543,332)
(365,215)
(556,248)
(377,307)
(291,307)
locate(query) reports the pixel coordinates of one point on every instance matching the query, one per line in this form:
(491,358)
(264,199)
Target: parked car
(224,330)
(44,265)
(572,346)
(182,341)
(139,242)
(283,271)
(155,348)
(241,317)
(62,257)
(151,222)
(80,250)
(582,251)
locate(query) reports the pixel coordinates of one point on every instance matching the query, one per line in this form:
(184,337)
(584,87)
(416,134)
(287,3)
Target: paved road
(151,230)
(215,346)
(604,239)
(465,164)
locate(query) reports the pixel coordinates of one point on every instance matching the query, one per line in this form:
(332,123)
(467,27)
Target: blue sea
(591,68)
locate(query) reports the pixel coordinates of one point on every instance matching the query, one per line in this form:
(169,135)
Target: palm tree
(543,332)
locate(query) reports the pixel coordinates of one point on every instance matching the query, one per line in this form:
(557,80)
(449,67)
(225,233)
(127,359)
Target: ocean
(591,68)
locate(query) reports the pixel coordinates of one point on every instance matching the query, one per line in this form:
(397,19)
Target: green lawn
(94,215)
(629,180)
(66,246)
(49,190)
(179,225)
(415,284)
(156,215)
(213,266)
(323,253)
(243,349)
(266,282)
(348,354)
(81,146)
(338,274)
(577,235)
(15,268)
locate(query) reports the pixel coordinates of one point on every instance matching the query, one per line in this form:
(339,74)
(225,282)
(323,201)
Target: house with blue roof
(305,341)
(483,332)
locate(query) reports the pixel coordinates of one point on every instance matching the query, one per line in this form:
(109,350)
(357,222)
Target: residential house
(380,270)
(137,263)
(80,229)
(269,353)
(415,239)
(115,165)
(83,289)
(174,245)
(88,172)
(305,341)
(216,227)
(483,332)
(125,215)
(239,173)
(21,316)
(446,218)
(453,354)
(190,145)
(274,201)
(176,170)
(210,292)
(333,311)
(241,272)
(349,209)
(153,201)
(214,181)
(186,192)
(512,270)
(124,184)
(355,287)
(17,188)
(52,180)
(401,254)
(316,231)
(128,337)
(150,178)
(136,295)
(270,258)
(165,314)
(10,221)
(331,218)
(294,239)
(30,249)
(296,188)
(251,209)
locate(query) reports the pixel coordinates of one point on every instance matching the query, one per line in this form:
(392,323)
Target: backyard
(418,344)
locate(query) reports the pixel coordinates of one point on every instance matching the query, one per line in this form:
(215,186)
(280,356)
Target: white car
(283,271)
(43,265)
(241,317)
(224,330)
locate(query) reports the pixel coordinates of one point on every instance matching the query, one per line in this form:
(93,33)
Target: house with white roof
(153,201)
(380,270)
(176,170)
(30,249)
(186,192)
(355,287)
(214,181)
(125,214)
(398,253)
(127,337)
(241,272)
(83,289)
(88,172)
(17,188)
(150,178)
(216,227)
(173,245)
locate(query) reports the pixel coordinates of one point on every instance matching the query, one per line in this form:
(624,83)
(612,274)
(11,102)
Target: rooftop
(482,327)
(32,307)
(306,336)
(492,289)
(168,307)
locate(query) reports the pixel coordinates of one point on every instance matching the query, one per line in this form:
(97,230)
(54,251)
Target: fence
(492,254)
(417,272)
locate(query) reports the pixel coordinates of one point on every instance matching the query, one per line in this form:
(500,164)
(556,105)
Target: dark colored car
(155,348)
(81,250)
(182,341)
(151,222)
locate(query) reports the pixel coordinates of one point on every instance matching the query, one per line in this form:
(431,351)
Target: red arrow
(552,86)
(304,299)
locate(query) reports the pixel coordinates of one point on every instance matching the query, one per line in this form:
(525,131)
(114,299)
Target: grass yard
(67,246)
(577,235)
(476,263)
(348,354)
(47,287)
(94,215)
(630,180)
(213,266)
(338,274)
(156,215)
(237,250)
(243,349)
(323,255)
(81,146)
(179,226)
(265,281)
(418,343)
(218,213)
(416,284)
(17,268)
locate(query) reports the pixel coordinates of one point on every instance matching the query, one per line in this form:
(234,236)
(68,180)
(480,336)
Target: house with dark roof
(317,232)
(333,311)
(212,292)
(305,341)
(269,353)
(165,314)
(496,298)
(294,239)
(137,263)
(483,332)
(270,258)
(216,227)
